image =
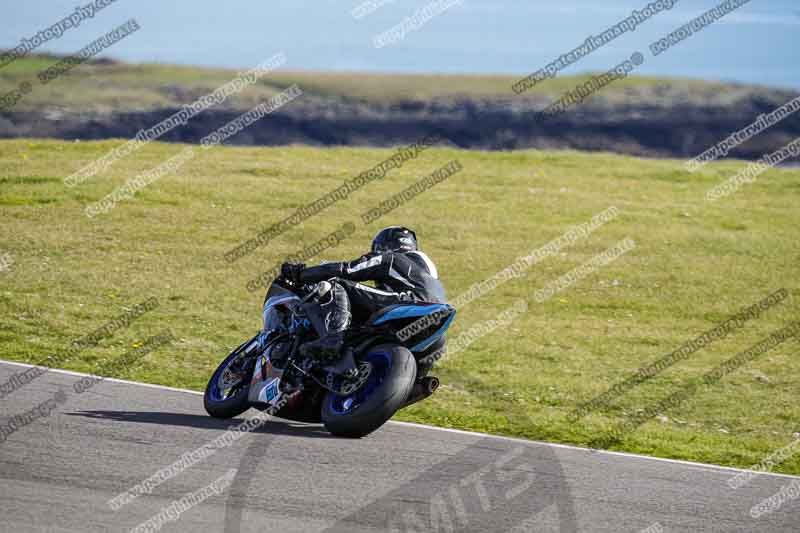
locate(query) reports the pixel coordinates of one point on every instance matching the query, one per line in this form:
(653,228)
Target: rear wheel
(392,373)
(227,390)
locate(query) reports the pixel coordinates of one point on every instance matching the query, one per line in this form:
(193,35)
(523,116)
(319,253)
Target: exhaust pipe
(422,388)
(431,383)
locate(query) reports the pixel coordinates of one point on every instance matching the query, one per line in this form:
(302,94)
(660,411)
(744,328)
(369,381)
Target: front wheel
(391,377)
(227,391)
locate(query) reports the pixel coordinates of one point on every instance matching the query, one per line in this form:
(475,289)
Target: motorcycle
(374,378)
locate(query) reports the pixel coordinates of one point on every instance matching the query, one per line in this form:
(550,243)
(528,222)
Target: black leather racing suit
(399,277)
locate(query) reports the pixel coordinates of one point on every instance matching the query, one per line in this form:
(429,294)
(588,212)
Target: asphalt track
(59,471)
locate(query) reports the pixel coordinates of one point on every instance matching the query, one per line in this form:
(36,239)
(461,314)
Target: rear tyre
(222,403)
(386,390)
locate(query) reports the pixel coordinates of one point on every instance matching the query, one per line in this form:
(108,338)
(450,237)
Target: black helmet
(394,238)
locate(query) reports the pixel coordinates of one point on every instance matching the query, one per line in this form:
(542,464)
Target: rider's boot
(327,348)
(330,316)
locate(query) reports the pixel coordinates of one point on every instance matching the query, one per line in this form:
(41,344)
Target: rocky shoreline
(655,128)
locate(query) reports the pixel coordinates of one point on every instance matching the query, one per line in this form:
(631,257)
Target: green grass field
(694,265)
(124,87)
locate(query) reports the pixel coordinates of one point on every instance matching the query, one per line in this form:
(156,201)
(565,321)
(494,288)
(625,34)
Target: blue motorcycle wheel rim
(216,393)
(381,366)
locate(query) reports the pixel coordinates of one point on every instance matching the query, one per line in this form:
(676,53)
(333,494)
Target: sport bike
(375,376)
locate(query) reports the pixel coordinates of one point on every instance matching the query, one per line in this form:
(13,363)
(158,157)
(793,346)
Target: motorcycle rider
(401,272)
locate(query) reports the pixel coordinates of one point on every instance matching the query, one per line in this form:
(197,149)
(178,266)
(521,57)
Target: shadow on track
(273,427)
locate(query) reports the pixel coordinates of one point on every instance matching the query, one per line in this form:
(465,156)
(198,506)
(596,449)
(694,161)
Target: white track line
(447,430)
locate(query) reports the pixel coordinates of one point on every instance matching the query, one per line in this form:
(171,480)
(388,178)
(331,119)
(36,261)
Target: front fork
(265,384)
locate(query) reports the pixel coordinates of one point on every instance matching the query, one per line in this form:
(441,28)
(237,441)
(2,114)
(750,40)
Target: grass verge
(694,265)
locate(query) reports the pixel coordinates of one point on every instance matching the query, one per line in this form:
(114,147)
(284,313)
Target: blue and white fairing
(418,325)
(264,386)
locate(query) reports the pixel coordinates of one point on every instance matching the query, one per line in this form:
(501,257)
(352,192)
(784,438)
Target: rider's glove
(291,271)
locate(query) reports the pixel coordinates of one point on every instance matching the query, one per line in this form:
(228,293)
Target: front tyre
(385,391)
(227,390)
